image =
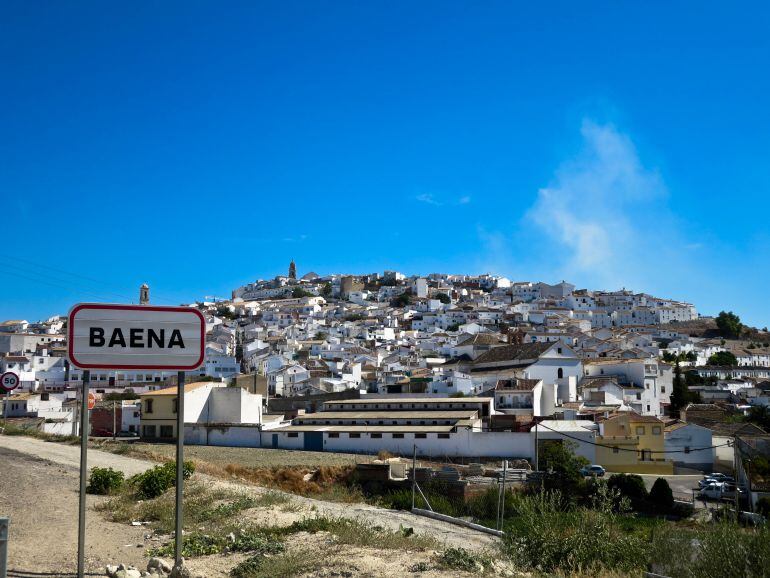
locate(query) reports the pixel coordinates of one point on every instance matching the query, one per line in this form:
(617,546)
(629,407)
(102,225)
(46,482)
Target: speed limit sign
(9,381)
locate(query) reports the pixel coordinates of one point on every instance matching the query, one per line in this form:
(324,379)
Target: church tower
(292,271)
(144,294)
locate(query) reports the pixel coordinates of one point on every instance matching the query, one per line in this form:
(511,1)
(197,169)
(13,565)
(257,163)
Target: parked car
(128,434)
(719,491)
(593,471)
(715,478)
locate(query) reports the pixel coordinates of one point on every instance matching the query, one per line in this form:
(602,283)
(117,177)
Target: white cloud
(606,214)
(428,199)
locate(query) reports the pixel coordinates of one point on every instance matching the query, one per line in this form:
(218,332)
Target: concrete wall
(460,444)
(233,405)
(226,435)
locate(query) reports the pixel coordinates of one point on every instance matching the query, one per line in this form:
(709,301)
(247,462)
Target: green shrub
(104,481)
(632,487)
(159,479)
(661,497)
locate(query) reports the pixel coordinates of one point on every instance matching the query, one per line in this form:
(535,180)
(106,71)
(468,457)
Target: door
(314,441)
(275,441)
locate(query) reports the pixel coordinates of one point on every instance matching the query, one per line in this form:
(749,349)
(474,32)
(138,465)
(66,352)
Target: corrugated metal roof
(349,415)
(365,428)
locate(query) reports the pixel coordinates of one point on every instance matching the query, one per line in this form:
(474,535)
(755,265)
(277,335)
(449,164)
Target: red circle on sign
(91,401)
(9,381)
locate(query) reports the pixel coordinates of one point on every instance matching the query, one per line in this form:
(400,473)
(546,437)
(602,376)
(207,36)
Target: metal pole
(414,472)
(502,505)
(179,468)
(83,472)
(4,523)
(537,459)
(5,419)
(114,422)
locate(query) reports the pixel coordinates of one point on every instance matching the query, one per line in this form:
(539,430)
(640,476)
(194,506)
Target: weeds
(355,532)
(287,564)
(462,559)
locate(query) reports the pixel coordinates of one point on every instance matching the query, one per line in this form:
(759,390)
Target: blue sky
(200,145)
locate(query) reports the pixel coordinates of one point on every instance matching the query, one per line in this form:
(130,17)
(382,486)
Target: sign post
(83,469)
(111,337)
(178,534)
(8,382)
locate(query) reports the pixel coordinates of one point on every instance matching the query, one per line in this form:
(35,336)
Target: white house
(689,445)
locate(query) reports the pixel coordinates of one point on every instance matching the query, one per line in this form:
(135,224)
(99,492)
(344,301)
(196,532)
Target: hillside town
(452,365)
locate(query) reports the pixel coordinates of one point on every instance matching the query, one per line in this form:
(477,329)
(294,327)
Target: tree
(326,290)
(453,327)
(320,336)
(443,297)
(724,358)
(299,292)
(563,466)
(680,393)
(661,496)
(759,415)
(729,324)
(401,300)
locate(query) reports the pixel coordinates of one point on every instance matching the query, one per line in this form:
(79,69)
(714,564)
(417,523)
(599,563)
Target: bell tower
(144,294)
(292,270)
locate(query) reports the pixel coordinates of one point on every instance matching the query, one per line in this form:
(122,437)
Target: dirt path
(41,498)
(69,456)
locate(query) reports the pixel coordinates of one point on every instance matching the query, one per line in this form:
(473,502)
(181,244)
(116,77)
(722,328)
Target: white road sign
(9,381)
(105,336)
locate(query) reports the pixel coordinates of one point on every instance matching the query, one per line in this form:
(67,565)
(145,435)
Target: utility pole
(537,458)
(114,422)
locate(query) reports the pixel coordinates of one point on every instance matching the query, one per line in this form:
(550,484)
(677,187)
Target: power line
(36,271)
(616,448)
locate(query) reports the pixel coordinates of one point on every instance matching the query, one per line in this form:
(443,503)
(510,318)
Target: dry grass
(247,457)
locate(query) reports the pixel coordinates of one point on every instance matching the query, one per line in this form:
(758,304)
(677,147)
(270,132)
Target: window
(662,389)
(354,435)
(443,436)
(166,431)
(615,449)
(398,436)
(293,434)
(559,350)
(175,406)
(148,406)
(334,435)
(648,407)
(656,430)
(560,373)
(687,449)
(148,431)
(420,436)
(640,430)
(376,435)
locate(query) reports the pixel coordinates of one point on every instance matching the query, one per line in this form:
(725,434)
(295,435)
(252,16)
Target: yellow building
(158,419)
(632,443)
